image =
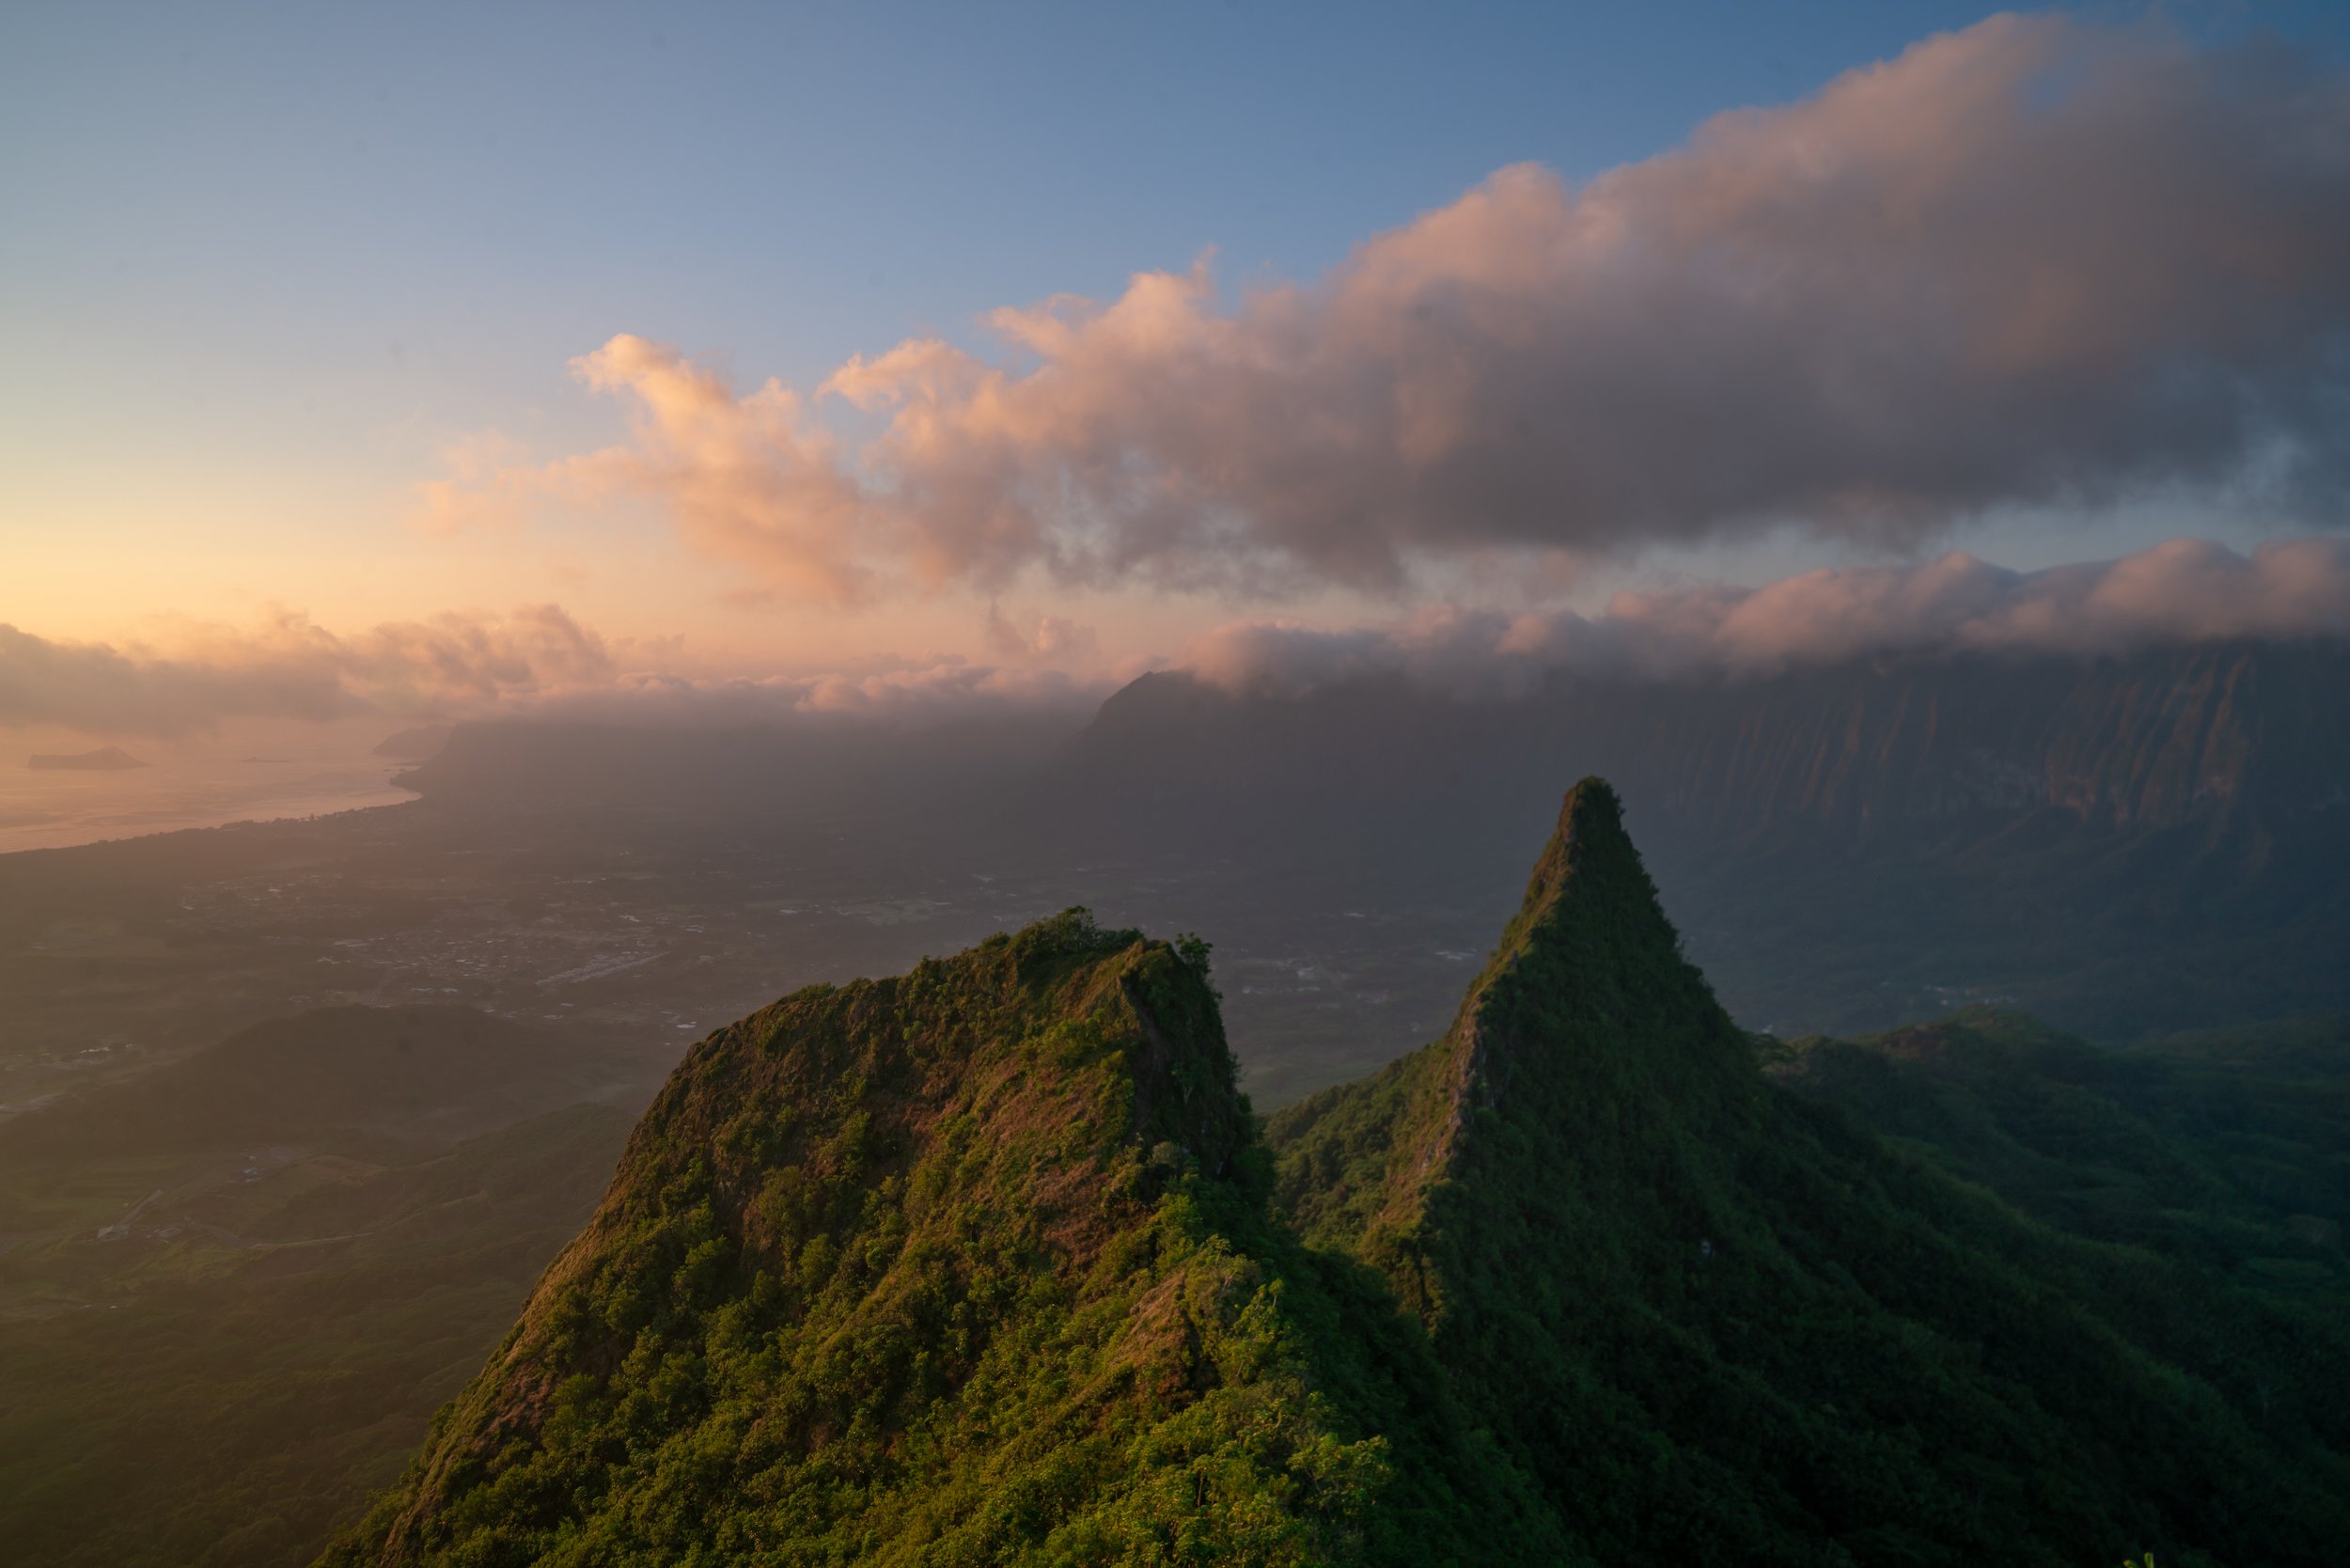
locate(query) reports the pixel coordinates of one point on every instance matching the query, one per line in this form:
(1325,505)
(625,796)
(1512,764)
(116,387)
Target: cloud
(2035,262)
(2183,591)
(293,669)
(1035,636)
(749,479)
(539,662)
(924,692)
(535,662)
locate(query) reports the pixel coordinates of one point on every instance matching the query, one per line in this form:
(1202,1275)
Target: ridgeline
(989,1264)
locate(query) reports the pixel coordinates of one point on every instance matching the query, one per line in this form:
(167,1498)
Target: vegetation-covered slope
(2227,1150)
(967,1266)
(984,1265)
(1720,1324)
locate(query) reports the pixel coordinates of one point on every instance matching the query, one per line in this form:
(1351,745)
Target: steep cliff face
(970,1265)
(2124,846)
(2153,740)
(1718,1324)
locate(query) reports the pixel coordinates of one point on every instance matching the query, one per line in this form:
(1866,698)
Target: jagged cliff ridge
(2123,846)
(1915,745)
(977,1265)
(969,1265)
(1715,1322)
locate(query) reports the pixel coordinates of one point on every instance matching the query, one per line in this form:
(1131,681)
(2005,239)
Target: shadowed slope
(1722,1325)
(2228,1150)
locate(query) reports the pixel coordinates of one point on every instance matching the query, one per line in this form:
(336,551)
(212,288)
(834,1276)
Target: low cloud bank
(294,668)
(2034,263)
(539,662)
(2183,591)
(536,662)
(946,691)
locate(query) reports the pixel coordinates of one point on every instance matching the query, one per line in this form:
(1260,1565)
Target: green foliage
(1194,949)
(987,1265)
(1717,1323)
(2228,1150)
(972,1265)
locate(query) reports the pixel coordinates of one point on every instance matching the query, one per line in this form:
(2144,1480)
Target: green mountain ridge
(970,1265)
(2229,1149)
(988,1263)
(1721,1326)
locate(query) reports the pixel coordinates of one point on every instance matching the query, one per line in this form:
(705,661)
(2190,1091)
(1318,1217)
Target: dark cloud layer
(2033,262)
(2184,592)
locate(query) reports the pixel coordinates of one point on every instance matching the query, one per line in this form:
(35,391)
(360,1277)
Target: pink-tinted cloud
(536,662)
(748,478)
(2184,591)
(1034,636)
(294,668)
(2032,262)
(922,692)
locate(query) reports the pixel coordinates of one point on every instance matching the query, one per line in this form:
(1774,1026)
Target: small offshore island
(107,759)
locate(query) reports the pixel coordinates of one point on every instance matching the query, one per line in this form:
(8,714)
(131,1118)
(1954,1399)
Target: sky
(421,358)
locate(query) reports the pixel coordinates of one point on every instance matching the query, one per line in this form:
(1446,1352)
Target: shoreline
(9,848)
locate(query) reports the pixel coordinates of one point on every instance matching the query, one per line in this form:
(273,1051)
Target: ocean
(191,786)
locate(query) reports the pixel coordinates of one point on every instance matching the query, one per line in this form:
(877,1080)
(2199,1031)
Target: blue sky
(226,216)
(261,264)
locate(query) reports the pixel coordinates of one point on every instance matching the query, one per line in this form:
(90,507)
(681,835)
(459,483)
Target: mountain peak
(975,1264)
(1591,815)
(1590,917)
(1586,997)
(1590,868)
(1589,1000)
(886,1254)
(1668,1288)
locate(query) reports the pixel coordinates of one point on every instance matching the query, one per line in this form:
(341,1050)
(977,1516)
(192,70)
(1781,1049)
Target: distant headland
(419,745)
(107,759)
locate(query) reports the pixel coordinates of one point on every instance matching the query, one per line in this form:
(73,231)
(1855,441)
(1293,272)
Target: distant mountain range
(2126,846)
(2238,739)
(990,1262)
